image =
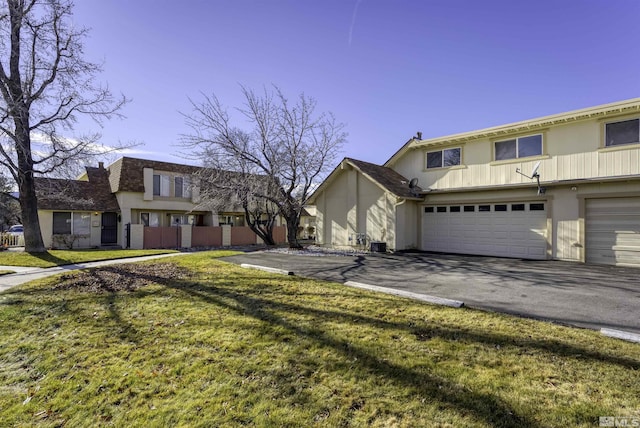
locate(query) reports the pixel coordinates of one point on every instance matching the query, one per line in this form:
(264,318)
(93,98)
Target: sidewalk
(26,274)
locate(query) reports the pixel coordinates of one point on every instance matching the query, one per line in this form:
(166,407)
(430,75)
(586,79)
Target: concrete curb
(423,297)
(619,334)
(267,269)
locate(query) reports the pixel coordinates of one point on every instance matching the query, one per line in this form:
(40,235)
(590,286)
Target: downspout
(395,214)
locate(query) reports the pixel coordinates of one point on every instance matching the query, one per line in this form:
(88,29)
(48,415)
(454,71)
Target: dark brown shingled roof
(387,178)
(76,195)
(126,174)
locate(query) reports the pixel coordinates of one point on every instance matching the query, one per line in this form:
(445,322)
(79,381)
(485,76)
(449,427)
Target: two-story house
(563,187)
(127,204)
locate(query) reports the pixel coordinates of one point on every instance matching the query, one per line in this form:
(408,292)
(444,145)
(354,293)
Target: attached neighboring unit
(134,203)
(613,231)
(564,187)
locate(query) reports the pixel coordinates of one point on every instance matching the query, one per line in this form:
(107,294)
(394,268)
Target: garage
(513,229)
(613,231)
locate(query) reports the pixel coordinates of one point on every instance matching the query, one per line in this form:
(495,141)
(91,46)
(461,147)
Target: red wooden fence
(205,236)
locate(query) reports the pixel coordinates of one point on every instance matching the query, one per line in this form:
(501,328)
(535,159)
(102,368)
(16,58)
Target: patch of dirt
(122,277)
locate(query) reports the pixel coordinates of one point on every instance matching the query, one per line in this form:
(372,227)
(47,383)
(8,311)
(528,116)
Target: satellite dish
(534,171)
(413,183)
(534,174)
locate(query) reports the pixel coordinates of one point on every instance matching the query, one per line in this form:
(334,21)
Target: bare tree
(288,146)
(221,189)
(45,84)
(9,207)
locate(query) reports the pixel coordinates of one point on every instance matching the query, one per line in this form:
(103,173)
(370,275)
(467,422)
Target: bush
(66,241)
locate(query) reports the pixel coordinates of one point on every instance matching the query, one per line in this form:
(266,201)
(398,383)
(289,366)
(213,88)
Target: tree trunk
(265,235)
(33,242)
(29,209)
(292,233)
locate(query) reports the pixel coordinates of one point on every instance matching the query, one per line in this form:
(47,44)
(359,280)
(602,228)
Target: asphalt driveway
(568,293)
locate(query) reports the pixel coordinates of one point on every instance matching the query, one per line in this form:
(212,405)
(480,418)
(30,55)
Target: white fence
(7,240)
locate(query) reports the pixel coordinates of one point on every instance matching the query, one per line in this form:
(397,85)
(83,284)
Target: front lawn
(65,257)
(192,341)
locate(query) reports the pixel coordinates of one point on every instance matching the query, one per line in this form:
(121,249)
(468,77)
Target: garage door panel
(613,231)
(497,233)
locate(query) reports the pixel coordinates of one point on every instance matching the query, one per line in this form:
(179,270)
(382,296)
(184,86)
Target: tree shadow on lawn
(260,302)
(485,406)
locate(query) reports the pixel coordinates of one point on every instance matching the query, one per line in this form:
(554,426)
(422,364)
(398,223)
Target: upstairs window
(179,186)
(624,132)
(182,187)
(161,185)
(520,147)
(443,158)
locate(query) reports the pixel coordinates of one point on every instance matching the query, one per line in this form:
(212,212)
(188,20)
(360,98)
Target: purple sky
(385,68)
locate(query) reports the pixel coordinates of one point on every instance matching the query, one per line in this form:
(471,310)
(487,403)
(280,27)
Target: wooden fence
(206,236)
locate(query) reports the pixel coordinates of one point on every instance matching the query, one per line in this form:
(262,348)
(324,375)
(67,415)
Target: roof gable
(386,178)
(93,194)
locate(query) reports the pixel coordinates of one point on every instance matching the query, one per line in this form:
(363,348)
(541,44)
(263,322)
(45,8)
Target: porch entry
(109,229)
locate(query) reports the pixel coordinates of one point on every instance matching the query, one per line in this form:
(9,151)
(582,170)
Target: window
(156,185)
(66,223)
(161,185)
(501,207)
(520,147)
(150,219)
(455,209)
(182,187)
(81,224)
(181,219)
(620,133)
(536,207)
(441,209)
(469,208)
(186,190)
(178,185)
(517,207)
(62,223)
(484,207)
(443,158)
(428,209)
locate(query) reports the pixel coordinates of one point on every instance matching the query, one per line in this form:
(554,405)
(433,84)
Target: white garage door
(613,231)
(517,229)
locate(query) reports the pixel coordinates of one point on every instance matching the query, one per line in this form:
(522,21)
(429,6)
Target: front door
(109,228)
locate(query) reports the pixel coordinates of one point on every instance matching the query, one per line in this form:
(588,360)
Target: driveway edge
(423,297)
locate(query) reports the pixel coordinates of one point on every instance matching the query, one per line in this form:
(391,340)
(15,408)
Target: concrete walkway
(25,274)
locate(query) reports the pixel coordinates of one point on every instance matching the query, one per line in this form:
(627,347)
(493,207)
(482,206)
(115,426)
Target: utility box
(378,247)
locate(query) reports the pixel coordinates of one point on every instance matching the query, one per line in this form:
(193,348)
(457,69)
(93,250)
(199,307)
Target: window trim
(603,133)
(164,185)
(517,140)
(442,165)
(73,222)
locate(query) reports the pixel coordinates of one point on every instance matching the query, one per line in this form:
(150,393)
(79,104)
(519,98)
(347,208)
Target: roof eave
(605,110)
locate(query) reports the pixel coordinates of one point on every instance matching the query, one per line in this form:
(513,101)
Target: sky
(386,69)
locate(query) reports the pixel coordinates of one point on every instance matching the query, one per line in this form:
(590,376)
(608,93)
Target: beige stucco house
(113,205)
(563,187)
